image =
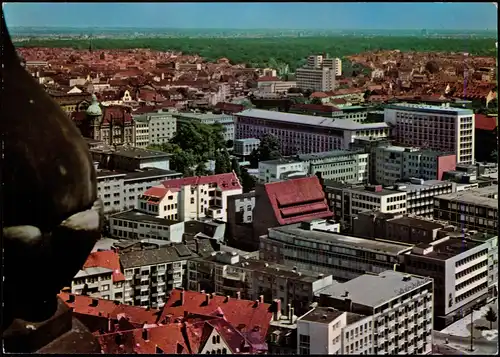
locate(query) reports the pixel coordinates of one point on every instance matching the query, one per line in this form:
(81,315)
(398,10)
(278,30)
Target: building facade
(439,128)
(473,209)
(159,127)
(227,121)
(304,133)
(400,305)
(244,147)
(239,219)
(317,246)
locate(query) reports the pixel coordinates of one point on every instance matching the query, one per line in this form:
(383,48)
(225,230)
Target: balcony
(391,335)
(144,288)
(381,330)
(144,298)
(391,323)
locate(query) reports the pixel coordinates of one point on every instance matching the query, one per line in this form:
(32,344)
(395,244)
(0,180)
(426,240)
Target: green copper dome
(94,109)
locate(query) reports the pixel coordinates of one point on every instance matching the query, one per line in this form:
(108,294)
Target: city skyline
(307,16)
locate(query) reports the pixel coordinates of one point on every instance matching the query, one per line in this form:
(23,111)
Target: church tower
(93,120)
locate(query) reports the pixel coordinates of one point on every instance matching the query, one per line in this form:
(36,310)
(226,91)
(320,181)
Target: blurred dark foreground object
(51,215)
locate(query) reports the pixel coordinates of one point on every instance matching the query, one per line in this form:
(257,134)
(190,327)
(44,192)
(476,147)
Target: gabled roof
(318,95)
(168,338)
(224,182)
(244,315)
(297,200)
(106,259)
(156,192)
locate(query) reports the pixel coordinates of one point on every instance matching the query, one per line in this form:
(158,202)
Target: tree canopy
(277,51)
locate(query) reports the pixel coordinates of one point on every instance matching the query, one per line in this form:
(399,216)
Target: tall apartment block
(432,127)
(319,73)
(401,306)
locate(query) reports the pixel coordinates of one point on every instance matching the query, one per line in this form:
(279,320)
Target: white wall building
(161,127)
(244,147)
(439,128)
(328,331)
(191,198)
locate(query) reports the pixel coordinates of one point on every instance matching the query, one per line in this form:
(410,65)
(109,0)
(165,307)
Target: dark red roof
(106,259)
(318,95)
(230,107)
(484,122)
(244,315)
(104,308)
(224,182)
(297,200)
(268,79)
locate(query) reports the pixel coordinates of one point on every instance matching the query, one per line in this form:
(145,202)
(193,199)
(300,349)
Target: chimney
(145,335)
(182,297)
(227,298)
(261,299)
(292,312)
(238,295)
(289,311)
(71,298)
(277,309)
(207,299)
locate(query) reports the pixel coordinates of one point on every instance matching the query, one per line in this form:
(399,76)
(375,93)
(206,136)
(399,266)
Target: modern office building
(395,163)
(473,209)
(244,147)
(191,197)
(328,331)
(120,190)
(319,73)
(346,201)
(432,127)
(420,195)
(227,121)
(154,128)
(317,246)
(400,304)
(462,271)
(305,133)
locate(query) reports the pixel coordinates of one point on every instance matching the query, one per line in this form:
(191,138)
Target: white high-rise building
(319,73)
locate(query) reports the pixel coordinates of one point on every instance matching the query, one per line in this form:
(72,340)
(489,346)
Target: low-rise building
(120,190)
(230,274)
(227,121)
(191,198)
(463,270)
(151,273)
(420,195)
(328,331)
(281,169)
(130,158)
(245,147)
(346,201)
(396,163)
(288,202)
(317,246)
(134,224)
(472,209)
(400,305)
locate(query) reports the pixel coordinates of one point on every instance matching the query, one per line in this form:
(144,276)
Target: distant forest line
(292,51)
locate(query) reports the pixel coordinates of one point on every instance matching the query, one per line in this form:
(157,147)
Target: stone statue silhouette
(51,217)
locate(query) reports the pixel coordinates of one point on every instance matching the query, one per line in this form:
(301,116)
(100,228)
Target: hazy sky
(473,16)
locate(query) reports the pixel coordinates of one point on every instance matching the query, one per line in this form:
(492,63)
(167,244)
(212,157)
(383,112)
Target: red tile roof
(297,200)
(106,259)
(224,182)
(169,338)
(318,95)
(156,192)
(484,122)
(244,315)
(136,315)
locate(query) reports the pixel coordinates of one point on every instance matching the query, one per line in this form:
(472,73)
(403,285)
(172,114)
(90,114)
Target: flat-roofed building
(328,331)
(134,224)
(439,128)
(230,274)
(227,121)
(305,133)
(420,195)
(317,246)
(245,147)
(472,209)
(346,201)
(401,306)
(281,169)
(461,269)
(157,127)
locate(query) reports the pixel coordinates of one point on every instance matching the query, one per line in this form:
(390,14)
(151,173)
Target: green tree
(247,181)
(235,166)
(316,101)
(222,162)
(184,162)
(491,316)
(269,148)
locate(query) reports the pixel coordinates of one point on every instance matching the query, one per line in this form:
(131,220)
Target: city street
(458,335)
